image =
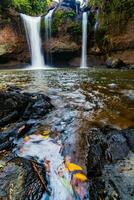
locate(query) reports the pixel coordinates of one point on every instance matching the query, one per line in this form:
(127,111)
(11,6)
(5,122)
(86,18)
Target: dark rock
(69,3)
(18,180)
(107,148)
(117,147)
(110,164)
(130,138)
(94,159)
(115,63)
(7,145)
(15,105)
(116,181)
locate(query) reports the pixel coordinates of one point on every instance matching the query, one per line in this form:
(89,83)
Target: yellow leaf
(26,139)
(1,166)
(80,177)
(45,137)
(45,133)
(73,167)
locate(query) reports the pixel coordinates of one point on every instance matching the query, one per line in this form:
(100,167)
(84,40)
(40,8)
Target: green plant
(31,7)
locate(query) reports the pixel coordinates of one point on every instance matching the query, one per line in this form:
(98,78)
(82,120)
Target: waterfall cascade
(32,28)
(84,40)
(48,32)
(97,21)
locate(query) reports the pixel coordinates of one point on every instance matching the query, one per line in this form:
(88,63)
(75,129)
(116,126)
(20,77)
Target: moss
(75,31)
(29,7)
(61,20)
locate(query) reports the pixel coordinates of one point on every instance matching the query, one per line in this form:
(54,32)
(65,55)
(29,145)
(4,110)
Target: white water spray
(47,149)
(48,32)
(32,28)
(84,40)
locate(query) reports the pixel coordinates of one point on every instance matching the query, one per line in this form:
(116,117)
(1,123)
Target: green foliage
(22,5)
(75,29)
(62,20)
(113,17)
(39,6)
(30,7)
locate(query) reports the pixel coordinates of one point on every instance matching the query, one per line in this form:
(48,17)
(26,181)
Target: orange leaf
(73,167)
(80,177)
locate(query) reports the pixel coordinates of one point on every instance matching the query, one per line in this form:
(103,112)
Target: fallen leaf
(80,177)
(26,139)
(45,137)
(72,167)
(45,132)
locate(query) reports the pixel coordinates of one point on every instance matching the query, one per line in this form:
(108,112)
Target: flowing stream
(32,28)
(81,99)
(84,40)
(48,32)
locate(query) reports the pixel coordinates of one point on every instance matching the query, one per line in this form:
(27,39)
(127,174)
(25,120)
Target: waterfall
(48,32)
(97,21)
(32,28)
(84,40)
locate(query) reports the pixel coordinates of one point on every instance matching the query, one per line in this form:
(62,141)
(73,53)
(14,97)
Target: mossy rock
(6,49)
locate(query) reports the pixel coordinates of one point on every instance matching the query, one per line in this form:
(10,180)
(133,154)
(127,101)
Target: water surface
(83,99)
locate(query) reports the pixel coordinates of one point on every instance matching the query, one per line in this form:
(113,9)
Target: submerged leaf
(26,139)
(45,132)
(80,177)
(45,137)
(73,167)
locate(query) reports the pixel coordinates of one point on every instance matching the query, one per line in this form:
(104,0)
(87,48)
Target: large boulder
(16,104)
(110,164)
(18,180)
(115,63)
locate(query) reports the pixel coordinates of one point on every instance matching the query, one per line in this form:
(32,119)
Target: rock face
(111,164)
(121,46)
(60,45)
(13,46)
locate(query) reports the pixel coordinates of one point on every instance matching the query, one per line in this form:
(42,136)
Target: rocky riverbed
(90,115)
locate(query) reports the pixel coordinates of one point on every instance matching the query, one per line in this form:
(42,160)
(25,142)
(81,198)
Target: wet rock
(117,147)
(7,145)
(107,146)
(18,181)
(15,105)
(116,181)
(111,164)
(130,138)
(68,3)
(115,63)
(38,106)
